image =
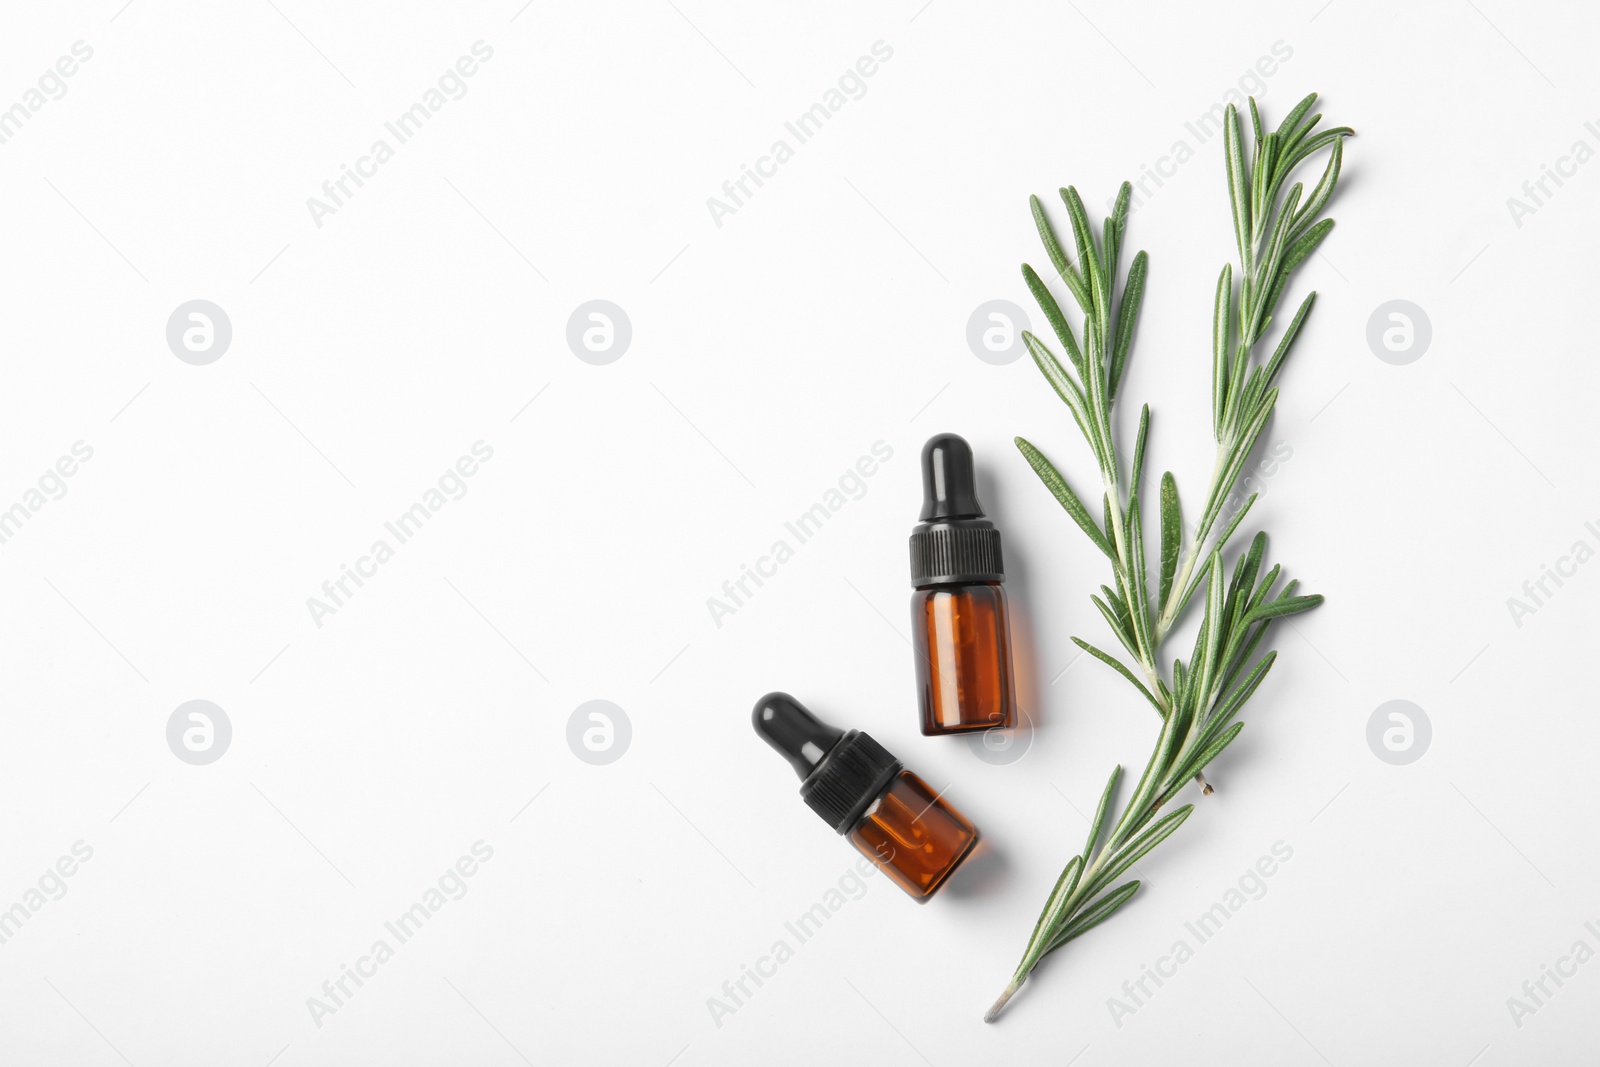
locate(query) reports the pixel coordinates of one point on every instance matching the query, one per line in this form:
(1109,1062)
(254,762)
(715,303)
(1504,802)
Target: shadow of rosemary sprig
(1199,709)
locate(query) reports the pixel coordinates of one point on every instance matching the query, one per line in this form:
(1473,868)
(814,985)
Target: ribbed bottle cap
(846,783)
(843,772)
(954,542)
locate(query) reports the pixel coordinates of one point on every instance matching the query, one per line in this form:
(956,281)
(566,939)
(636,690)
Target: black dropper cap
(842,772)
(954,543)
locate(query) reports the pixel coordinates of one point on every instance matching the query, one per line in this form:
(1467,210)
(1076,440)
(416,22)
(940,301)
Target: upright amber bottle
(858,788)
(960,635)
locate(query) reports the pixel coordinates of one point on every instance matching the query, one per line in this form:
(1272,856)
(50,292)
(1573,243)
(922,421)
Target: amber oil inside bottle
(963,664)
(914,836)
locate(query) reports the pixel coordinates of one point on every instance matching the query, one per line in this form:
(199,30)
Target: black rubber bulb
(949,489)
(799,736)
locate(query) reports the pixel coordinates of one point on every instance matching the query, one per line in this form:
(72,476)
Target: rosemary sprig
(1199,706)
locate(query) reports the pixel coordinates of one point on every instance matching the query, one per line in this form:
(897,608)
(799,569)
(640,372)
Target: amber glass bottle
(960,633)
(862,791)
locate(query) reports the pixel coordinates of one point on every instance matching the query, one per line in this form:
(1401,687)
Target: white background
(768,354)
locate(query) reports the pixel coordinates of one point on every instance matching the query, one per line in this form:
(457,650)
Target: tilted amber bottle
(863,792)
(961,637)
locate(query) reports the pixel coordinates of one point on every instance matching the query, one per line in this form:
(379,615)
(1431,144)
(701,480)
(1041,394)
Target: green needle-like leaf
(1135,850)
(1096,914)
(1067,389)
(1137,476)
(1052,313)
(1211,751)
(1296,254)
(1237,183)
(1236,699)
(1324,190)
(1127,318)
(1089,257)
(1171,535)
(1210,641)
(1117,665)
(1220,335)
(1293,605)
(1053,918)
(1100,812)
(1063,492)
(1058,254)
(1140,595)
(1116,618)
(1292,120)
(1289,335)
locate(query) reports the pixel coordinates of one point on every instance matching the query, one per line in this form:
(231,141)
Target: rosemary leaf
(1287,606)
(1220,335)
(1100,812)
(1171,535)
(1095,914)
(1058,255)
(1052,918)
(1211,751)
(1120,625)
(1289,335)
(1291,121)
(1063,492)
(1303,246)
(1138,452)
(1236,699)
(1052,312)
(1118,665)
(1127,318)
(1139,846)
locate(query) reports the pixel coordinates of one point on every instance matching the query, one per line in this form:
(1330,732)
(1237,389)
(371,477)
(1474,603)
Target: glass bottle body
(962,642)
(913,836)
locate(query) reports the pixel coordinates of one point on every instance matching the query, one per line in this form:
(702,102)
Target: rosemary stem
(1147,654)
(1141,636)
(999,1005)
